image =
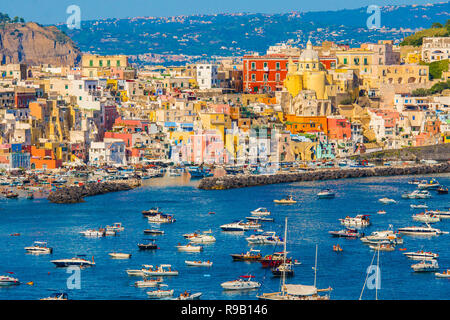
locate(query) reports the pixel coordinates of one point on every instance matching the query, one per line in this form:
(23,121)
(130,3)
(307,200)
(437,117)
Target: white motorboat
(444,274)
(189,296)
(8,281)
(440,214)
(116,227)
(39,247)
(421,255)
(432,184)
(326,194)
(57,296)
(135,273)
(360,221)
(161,270)
(240,226)
(382,247)
(119,255)
(421,231)
(148,283)
(385,236)
(202,238)
(157,294)
(161,218)
(426,217)
(76,261)
(189,248)
(418,206)
(268,237)
(417,194)
(243,283)
(199,263)
(426,266)
(286,200)
(94,233)
(260,212)
(387,200)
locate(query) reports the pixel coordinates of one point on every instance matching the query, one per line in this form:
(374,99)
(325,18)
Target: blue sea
(308,224)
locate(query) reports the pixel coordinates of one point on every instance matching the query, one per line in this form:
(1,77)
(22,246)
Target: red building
(110,115)
(265,73)
(328,62)
(339,128)
(23,98)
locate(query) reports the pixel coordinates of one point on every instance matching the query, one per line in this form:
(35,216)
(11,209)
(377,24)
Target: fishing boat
(151,245)
(286,200)
(154,231)
(360,221)
(384,236)
(148,283)
(418,206)
(444,274)
(426,230)
(252,255)
(432,184)
(274,260)
(268,237)
(189,248)
(39,247)
(151,212)
(243,283)
(442,190)
(161,218)
(158,294)
(426,266)
(387,200)
(198,263)
(76,261)
(421,255)
(440,214)
(189,296)
(382,247)
(8,281)
(161,270)
(347,233)
(260,212)
(326,194)
(286,269)
(57,296)
(426,217)
(118,255)
(417,194)
(93,233)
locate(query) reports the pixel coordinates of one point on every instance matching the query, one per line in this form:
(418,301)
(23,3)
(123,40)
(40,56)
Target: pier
(247,180)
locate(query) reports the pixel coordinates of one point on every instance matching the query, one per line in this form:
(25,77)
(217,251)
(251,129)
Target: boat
(57,296)
(426,230)
(118,255)
(189,248)
(347,233)
(198,263)
(8,281)
(243,283)
(444,274)
(426,217)
(252,255)
(39,247)
(204,237)
(157,294)
(417,194)
(116,227)
(259,219)
(94,233)
(76,261)
(154,231)
(337,248)
(189,296)
(381,212)
(268,237)
(382,247)
(151,245)
(426,266)
(326,194)
(442,190)
(359,221)
(418,206)
(151,212)
(161,218)
(174,172)
(432,184)
(11,195)
(387,200)
(285,269)
(274,260)
(286,200)
(199,173)
(421,255)
(148,283)
(260,212)
(414,181)
(440,214)
(161,270)
(240,226)
(384,236)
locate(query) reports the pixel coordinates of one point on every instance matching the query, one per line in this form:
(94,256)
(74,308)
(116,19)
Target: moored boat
(359,221)
(39,247)
(8,281)
(286,200)
(198,263)
(252,255)
(189,248)
(421,255)
(425,266)
(444,274)
(243,283)
(347,233)
(119,255)
(76,261)
(161,270)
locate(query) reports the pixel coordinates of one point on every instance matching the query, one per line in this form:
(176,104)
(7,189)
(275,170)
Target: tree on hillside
(437,25)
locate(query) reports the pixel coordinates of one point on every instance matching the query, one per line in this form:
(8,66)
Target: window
(118,63)
(108,63)
(265,65)
(277,77)
(91,63)
(265,77)
(100,63)
(253,66)
(345,60)
(253,77)
(278,66)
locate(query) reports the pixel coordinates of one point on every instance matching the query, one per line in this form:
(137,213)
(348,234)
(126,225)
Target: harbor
(24,221)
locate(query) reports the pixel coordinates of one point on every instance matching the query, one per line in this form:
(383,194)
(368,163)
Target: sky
(54,11)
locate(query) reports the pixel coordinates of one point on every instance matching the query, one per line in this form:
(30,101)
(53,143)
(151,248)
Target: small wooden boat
(199,263)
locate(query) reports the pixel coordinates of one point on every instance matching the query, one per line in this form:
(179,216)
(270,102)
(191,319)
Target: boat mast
(284,258)
(315,268)
(378,270)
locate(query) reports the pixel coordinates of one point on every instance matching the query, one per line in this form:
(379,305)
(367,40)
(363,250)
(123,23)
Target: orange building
(303,124)
(339,128)
(44,159)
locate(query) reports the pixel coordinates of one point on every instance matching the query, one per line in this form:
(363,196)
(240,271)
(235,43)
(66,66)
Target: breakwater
(76,194)
(245,180)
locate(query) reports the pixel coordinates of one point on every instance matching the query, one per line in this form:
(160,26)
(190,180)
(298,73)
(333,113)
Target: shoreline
(244,181)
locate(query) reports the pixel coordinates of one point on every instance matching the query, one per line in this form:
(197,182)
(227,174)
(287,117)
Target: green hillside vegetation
(436,30)
(436,88)
(436,68)
(4,18)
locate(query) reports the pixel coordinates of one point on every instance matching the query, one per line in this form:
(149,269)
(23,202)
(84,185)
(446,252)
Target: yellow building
(360,59)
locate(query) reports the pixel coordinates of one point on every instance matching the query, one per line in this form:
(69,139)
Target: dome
(309,54)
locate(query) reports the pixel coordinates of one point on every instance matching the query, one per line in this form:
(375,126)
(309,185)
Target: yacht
(385,236)
(39,247)
(198,263)
(417,194)
(189,248)
(387,200)
(421,231)
(240,226)
(261,212)
(382,246)
(205,237)
(286,269)
(346,233)
(148,283)
(274,260)
(426,217)
(426,266)
(94,233)
(161,270)
(421,255)
(8,281)
(359,221)
(326,194)
(117,227)
(76,261)
(268,237)
(157,294)
(432,184)
(161,218)
(440,214)
(252,255)
(260,219)
(154,231)
(151,212)
(118,255)
(243,283)
(150,245)
(418,206)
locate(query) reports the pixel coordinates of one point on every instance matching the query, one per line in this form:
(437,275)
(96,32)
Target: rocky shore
(76,194)
(242,181)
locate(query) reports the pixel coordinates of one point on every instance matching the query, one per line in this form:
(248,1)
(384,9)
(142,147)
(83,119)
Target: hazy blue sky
(54,11)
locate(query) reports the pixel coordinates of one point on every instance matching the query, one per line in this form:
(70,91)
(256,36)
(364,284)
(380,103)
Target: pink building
(339,128)
(204,147)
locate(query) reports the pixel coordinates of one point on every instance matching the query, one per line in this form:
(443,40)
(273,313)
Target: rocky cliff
(33,44)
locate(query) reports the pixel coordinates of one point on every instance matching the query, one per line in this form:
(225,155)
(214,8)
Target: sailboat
(295,291)
(377,275)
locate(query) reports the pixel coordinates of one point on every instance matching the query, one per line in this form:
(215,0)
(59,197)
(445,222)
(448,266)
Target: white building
(435,49)
(110,151)
(207,76)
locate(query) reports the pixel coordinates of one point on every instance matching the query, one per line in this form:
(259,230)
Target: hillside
(33,44)
(416,38)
